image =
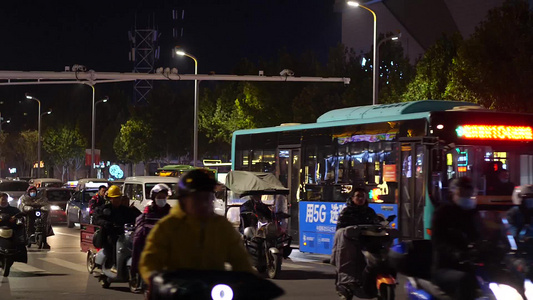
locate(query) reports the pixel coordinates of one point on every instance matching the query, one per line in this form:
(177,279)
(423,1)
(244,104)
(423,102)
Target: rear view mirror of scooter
(391,218)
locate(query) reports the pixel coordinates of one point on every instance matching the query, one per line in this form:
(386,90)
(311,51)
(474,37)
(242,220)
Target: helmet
(31,187)
(114,191)
(521,192)
(195,181)
(160,187)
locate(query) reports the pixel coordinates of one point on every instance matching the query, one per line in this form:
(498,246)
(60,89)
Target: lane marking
(66,264)
(295,266)
(27,268)
(67,234)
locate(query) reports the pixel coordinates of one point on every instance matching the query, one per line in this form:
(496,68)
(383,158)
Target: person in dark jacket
(98,199)
(111,218)
(347,255)
(357,211)
(252,210)
(146,221)
(456,228)
(31,198)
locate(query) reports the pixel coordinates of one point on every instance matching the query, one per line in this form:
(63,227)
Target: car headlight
(503,291)
(55,207)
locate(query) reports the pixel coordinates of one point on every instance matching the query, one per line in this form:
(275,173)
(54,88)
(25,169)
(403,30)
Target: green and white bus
(403,154)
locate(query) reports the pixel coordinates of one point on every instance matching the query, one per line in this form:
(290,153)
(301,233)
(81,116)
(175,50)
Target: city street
(61,274)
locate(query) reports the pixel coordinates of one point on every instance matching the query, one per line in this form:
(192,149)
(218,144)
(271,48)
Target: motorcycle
(12,246)
(37,217)
(217,285)
(494,279)
(379,278)
(268,244)
(123,262)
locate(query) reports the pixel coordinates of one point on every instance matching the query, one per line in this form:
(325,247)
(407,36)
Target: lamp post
(195,139)
(376,80)
(28,96)
(374,61)
(93,125)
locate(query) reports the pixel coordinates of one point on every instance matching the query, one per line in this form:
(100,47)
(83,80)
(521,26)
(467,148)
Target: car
(91,183)
(78,206)
(138,188)
(46,182)
(58,198)
(14,189)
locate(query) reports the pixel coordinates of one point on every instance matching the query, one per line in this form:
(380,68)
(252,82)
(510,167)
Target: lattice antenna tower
(144,54)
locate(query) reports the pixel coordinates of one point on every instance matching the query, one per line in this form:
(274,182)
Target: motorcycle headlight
(503,291)
(38,213)
(528,285)
(221,292)
(55,207)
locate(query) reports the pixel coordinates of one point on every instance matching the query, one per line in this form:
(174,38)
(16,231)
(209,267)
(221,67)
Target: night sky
(48,35)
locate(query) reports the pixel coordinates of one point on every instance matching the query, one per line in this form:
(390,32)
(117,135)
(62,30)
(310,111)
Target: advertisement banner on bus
(318,221)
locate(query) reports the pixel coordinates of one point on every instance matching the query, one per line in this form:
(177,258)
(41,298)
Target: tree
(135,142)
(26,146)
(495,67)
(433,70)
(64,146)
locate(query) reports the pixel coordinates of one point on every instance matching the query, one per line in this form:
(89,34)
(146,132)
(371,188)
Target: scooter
(12,246)
(207,285)
(123,260)
(379,278)
(494,280)
(39,215)
(268,244)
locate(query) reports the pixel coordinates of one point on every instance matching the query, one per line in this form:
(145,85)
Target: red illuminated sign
(461,169)
(495,132)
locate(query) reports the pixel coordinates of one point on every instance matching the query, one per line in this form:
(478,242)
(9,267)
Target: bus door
(289,174)
(412,189)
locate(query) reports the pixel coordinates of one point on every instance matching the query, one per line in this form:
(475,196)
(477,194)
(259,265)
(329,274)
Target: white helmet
(521,192)
(160,187)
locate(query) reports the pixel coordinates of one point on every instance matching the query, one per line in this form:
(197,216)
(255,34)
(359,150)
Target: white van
(138,189)
(46,182)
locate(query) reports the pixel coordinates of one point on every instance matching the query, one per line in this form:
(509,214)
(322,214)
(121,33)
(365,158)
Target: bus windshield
(495,170)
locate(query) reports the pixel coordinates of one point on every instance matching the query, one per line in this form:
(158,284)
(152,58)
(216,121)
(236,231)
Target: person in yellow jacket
(192,236)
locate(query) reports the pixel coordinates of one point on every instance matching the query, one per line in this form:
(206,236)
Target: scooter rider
(5,208)
(146,221)
(98,199)
(347,255)
(521,216)
(253,209)
(192,236)
(112,217)
(31,199)
(456,226)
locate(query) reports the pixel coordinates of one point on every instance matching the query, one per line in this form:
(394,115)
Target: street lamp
(195,140)
(28,96)
(390,38)
(93,128)
(374,62)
